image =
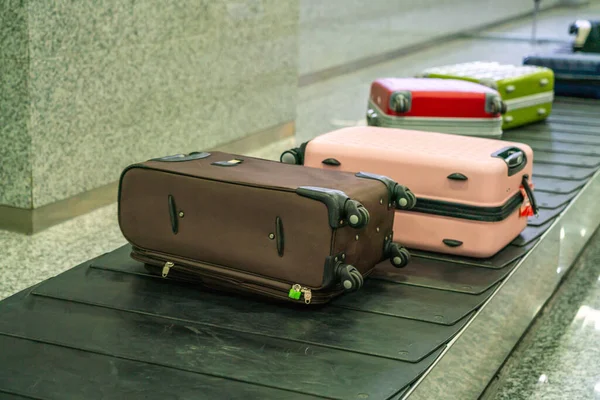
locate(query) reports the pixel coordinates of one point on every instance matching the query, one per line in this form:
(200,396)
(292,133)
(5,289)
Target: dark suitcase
(587,36)
(575,74)
(245,224)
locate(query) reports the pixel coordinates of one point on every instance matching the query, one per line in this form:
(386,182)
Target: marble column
(88,87)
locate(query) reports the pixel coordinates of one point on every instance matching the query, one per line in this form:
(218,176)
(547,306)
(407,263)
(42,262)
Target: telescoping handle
(536,10)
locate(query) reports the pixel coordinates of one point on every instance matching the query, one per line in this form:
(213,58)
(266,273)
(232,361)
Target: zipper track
(279,289)
(463,211)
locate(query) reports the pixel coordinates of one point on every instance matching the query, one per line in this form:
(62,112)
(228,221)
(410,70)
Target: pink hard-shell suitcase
(474,195)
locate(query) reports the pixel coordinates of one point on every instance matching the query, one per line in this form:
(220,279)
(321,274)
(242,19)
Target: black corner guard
(398,195)
(389,183)
(339,206)
(333,199)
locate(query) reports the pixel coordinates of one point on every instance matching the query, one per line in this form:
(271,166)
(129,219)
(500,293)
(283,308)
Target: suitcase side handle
(514,158)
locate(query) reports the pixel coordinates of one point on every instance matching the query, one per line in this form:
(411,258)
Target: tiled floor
(558,358)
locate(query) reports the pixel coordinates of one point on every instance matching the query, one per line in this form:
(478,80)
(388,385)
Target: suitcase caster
(357,215)
(497,106)
(291,157)
(399,256)
(349,277)
(405,199)
(372,118)
(400,103)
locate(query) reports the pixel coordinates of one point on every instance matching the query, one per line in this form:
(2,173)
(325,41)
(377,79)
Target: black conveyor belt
(107,329)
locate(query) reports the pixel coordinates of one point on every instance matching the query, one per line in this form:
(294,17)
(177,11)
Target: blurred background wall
(88,87)
(358,29)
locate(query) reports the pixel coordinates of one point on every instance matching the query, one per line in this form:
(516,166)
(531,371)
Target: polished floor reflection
(559,358)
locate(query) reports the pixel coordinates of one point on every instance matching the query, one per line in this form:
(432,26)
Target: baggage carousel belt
(106,328)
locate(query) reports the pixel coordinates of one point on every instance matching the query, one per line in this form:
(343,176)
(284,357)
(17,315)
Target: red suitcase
(473,195)
(436,105)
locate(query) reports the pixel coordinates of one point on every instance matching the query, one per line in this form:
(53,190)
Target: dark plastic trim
(457,176)
(279,236)
(173,214)
(335,201)
(329,278)
(514,157)
(474,213)
(331,161)
(389,183)
(452,242)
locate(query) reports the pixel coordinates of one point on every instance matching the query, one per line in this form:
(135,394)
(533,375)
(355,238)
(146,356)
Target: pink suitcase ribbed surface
(428,164)
(423,161)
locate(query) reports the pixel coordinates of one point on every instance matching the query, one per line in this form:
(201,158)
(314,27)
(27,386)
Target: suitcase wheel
(405,199)
(357,215)
(372,118)
(503,108)
(400,103)
(498,106)
(350,278)
(290,157)
(399,256)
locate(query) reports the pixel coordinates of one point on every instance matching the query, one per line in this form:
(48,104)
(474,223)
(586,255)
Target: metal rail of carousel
(439,328)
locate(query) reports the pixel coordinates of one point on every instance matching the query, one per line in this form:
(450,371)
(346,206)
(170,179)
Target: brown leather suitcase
(245,224)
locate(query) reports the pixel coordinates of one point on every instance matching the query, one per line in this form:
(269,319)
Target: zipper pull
(295,292)
(165,271)
(307,295)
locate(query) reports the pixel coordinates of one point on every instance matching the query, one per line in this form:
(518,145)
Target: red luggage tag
(526,208)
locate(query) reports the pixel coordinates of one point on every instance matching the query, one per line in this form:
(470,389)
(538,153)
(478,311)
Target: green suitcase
(528,91)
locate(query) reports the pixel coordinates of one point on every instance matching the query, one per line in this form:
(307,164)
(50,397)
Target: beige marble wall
(336,32)
(111,82)
(15,141)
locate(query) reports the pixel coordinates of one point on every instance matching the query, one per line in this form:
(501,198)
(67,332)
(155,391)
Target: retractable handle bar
(536,10)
